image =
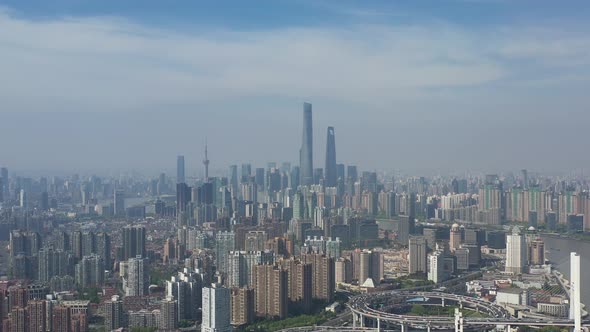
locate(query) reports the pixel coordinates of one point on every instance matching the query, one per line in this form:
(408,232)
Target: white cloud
(111,62)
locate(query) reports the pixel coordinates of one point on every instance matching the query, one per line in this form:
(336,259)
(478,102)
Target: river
(559,254)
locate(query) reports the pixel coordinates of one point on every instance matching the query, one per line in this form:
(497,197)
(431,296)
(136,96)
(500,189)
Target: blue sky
(478,84)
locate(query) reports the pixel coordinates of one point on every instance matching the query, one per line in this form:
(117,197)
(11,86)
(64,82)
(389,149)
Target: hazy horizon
(486,86)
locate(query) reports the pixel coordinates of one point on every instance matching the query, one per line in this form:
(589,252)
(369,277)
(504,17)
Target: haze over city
(426,87)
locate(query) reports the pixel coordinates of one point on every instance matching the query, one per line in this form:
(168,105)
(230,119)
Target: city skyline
(174,166)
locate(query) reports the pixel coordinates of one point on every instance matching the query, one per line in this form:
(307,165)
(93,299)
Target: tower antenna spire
(206,162)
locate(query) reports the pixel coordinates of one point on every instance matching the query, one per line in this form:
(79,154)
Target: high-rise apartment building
(90,271)
(242,306)
(299,277)
(271,291)
(240,268)
(323,281)
(37,316)
(186,288)
(113,310)
(224,243)
(168,316)
(136,283)
(216,309)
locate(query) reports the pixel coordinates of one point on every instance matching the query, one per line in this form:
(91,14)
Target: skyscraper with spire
(330,172)
(206,163)
(306,151)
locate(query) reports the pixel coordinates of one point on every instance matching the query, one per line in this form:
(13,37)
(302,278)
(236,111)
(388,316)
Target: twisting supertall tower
(306,151)
(330,172)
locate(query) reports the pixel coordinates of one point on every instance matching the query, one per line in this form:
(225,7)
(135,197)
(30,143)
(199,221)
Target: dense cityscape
(287,245)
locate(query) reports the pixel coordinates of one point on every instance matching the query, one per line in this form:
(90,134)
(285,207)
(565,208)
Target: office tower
(233,179)
(294,177)
(525,179)
(168,317)
(216,309)
(44,201)
(364,266)
(537,252)
(133,241)
(224,243)
(90,271)
(404,229)
(259,178)
(340,171)
(455,237)
(417,255)
(323,276)
(37,316)
(242,306)
(136,283)
(299,279)
(516,255)
(318,175)
(474,236)
(162,184)
(119,203)
(474,257)
(496,239)
(462,258)
(387,203)
(246,173)
(271,291)
(113,310)
(436,271)
(24,201)
(183,197)
(180,169)
(306,151)
(575,291)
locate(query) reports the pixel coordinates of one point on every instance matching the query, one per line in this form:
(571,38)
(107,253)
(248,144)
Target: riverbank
(565,284)
(559,249)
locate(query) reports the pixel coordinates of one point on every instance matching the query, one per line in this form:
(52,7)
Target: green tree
(418,310)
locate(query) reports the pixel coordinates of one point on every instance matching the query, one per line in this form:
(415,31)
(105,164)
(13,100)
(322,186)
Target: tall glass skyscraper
(306,151)
(330,171)
(180,169)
